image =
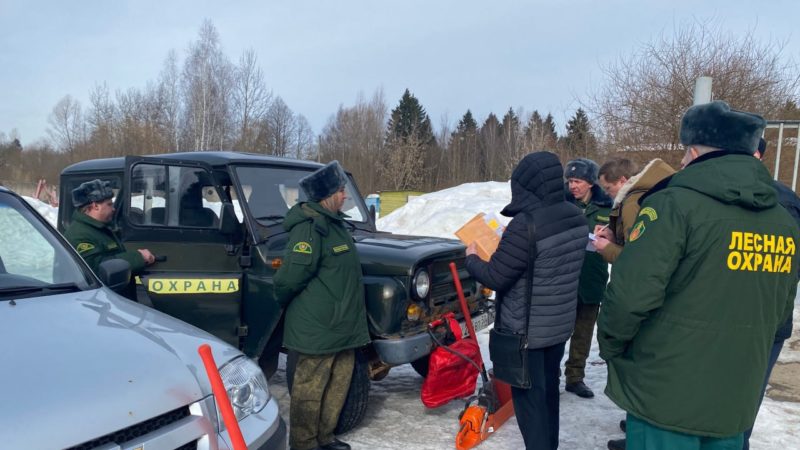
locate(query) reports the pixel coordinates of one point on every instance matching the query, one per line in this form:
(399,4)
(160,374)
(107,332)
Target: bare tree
(251,100)
(279,126)
(66,124)
(355,137)
(405,164)
(207,81)
(303,140)
(645,93)
(169,85)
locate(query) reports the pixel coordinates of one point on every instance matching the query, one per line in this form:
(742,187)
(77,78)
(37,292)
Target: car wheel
(355,405)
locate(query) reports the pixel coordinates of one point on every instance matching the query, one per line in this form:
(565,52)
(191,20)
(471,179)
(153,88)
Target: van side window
(173,196)
(148,195)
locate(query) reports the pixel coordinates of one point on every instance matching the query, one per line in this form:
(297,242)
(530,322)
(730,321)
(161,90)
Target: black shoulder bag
(509,350)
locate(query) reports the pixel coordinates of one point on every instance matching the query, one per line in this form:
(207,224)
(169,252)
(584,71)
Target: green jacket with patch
(95,242)
(708,275)
(594,272)
(320,284)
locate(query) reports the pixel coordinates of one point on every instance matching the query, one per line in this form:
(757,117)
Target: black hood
(538,180)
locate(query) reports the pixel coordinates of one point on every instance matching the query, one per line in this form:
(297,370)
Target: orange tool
(484,413)
(221,396)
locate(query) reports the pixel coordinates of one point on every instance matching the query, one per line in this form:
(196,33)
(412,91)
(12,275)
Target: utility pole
(702,90)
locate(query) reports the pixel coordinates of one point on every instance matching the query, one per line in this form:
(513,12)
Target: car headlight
(421,283)
(246,386)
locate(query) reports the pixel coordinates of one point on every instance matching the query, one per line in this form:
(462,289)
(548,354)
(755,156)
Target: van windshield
(270,192)
(32,259)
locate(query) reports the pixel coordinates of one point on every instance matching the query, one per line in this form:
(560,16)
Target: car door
(173,209)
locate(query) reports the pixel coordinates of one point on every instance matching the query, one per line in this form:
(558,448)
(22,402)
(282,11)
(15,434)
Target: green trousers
(641,435)
(581,342)
(318,393)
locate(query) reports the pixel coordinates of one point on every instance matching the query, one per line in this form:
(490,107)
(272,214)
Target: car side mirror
(115,273)
(229,224)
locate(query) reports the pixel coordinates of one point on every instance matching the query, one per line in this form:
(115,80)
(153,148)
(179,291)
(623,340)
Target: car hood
(81,365)
(395,254)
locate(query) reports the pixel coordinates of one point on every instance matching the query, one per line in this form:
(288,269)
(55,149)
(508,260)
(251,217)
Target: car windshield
(32,259)
(271,191)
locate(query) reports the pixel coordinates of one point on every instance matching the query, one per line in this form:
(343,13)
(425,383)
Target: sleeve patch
(650,213)
(84,247)
(637,231)
(341,248)
(302,247)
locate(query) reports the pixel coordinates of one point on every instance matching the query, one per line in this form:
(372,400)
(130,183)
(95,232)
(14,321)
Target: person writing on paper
(560,237)
(617,178)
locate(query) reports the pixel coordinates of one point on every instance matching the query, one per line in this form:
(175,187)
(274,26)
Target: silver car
(84,368)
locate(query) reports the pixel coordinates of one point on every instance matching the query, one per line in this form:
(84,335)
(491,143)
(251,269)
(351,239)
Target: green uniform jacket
(320,284)
(95,242)
(708,275)
(594,272)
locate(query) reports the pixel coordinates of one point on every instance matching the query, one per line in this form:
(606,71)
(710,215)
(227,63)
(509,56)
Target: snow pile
(441,213)
(50,213)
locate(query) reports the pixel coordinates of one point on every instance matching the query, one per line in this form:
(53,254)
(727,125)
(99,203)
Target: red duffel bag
(453,365)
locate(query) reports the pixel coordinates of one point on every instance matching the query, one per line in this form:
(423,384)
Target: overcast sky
(453,55)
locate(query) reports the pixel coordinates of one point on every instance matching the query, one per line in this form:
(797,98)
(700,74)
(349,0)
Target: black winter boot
(580,389)
(616,444)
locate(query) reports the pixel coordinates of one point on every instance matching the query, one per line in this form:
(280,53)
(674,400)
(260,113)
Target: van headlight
(246,386)
(421,283)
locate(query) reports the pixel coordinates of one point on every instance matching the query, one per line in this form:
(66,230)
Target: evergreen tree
(463,150)
(409,121)
(489,148)
(409,144)
(467,124)
(512,148)
(580,142)
(549,135)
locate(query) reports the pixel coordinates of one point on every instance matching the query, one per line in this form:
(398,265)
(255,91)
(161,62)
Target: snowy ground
(396,417)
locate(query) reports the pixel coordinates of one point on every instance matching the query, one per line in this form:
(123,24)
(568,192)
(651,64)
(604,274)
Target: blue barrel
(374,200)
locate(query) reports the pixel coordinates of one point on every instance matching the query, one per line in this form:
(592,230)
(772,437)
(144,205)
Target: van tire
(355,405)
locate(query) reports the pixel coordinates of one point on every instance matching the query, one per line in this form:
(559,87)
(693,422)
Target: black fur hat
(324,182)
(716,125)
(91,191)
(582,168)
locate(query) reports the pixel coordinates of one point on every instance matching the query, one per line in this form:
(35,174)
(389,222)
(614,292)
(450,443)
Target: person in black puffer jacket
(561,234)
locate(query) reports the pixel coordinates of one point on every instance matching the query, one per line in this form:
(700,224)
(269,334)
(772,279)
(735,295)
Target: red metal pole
(464,306)
(221,396)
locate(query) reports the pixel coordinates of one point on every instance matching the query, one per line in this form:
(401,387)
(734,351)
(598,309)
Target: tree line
(208,102)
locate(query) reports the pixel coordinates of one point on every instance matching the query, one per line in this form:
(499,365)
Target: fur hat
(91,191)
(582,168)
(324,182)
(716,125)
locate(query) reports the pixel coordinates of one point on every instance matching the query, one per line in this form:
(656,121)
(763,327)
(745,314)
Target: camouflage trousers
(581,342)
(319,390)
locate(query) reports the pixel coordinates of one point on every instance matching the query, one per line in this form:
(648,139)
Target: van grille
(443,291)
(140,429)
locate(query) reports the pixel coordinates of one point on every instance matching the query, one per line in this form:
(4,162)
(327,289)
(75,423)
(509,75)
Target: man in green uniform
(708,275)
(90,234)
(581,175)
(320,285)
